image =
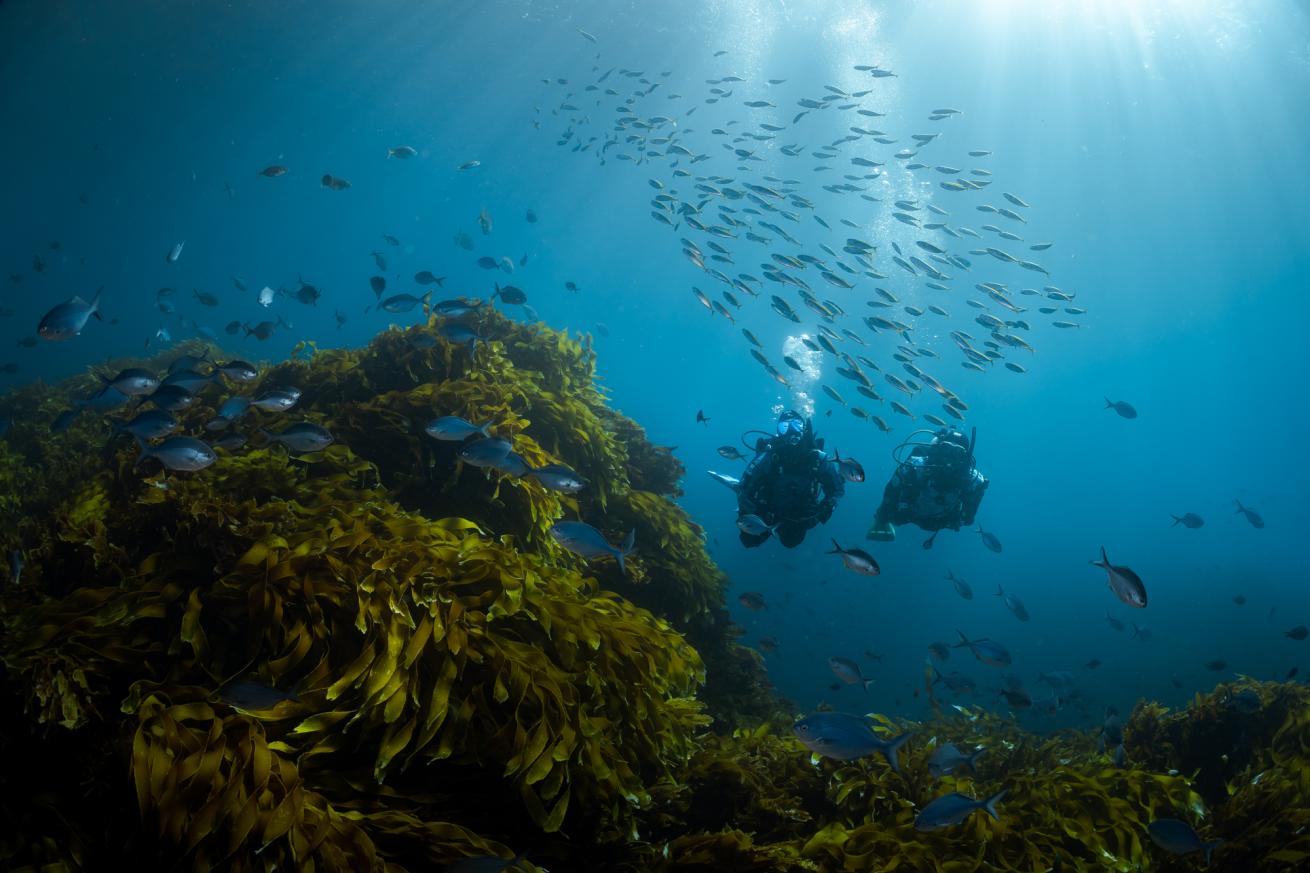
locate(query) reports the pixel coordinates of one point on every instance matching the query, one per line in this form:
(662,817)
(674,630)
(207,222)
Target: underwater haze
(1024,213)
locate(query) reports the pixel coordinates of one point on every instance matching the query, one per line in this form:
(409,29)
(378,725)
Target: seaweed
(432,677)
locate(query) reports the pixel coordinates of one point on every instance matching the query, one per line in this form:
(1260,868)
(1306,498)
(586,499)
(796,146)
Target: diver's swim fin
(884,532)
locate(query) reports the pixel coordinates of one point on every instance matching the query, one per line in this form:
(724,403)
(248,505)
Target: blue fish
(454,429)
(304,436)
(149,425)
(234,407)
(486,452)
(846,737)
(951,809)
(947,757)
(1180,838)
(105,399)
(180,453)
(583,539)
(254,696)
(65,420)
(460,334)
(66,320)
(754,525)
(988,651)
(558,477)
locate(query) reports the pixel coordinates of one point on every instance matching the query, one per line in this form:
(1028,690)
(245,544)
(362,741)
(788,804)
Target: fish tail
(95,304)
(835,550)
(1000,592)
(964,641)
(866,683)
(1108,404)
(1176,519)
(989,805)
(629,542)
(890,751)
(969,761)
(1207,848)
(1240,507)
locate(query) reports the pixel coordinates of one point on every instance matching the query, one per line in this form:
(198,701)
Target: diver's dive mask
(950,451)
(791,428)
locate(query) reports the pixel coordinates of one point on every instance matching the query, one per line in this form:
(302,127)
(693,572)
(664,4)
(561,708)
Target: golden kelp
(453,641)
(375,657)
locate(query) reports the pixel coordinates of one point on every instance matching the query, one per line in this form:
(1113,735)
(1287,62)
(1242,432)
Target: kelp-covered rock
(439,653)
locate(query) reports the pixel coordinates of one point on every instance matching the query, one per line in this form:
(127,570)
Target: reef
(376,657)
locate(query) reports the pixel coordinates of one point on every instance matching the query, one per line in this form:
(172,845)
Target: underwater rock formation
(375,656)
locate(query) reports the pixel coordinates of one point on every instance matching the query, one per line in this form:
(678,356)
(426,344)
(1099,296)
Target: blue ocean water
(1161,146)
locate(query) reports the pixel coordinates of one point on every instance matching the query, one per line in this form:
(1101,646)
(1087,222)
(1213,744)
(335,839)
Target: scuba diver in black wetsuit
(790,483)
(936,487)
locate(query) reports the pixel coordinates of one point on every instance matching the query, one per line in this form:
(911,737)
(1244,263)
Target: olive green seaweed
(444,681)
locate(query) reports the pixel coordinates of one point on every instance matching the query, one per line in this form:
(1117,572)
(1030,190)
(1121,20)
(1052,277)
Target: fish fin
(889,751)
(835,550)
(989,805)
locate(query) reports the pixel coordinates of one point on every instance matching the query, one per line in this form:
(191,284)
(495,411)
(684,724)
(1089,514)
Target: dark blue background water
(1162,145)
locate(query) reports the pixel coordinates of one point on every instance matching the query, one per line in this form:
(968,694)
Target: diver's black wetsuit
(933,497)
(793,487)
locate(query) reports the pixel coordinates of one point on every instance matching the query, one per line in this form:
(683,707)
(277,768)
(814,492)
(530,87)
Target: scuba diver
(791,484)
(936,487)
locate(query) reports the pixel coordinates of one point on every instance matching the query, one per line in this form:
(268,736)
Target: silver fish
(67,319)
(558,477)
(452,428)
(303,436)
(951,809)
(947,757)
(1125,584)
(180,453)
(583,539)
